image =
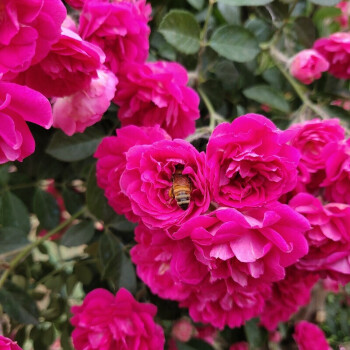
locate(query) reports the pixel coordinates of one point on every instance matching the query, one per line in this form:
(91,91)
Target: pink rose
(148,181)
(225,303)
(337,181)
(152,256)
(308,336)
(183,330)
(287,296)
(111,155)
(336,50)
(8,344)
(343,19)
(329,237)
(250,246)
(77,4)
(311,138)
(156,93)
(109,322)
(308,66)
(250,163)
(18,105)
(29,29)
(68,68)
(76,112)
(240,346)
(119,28)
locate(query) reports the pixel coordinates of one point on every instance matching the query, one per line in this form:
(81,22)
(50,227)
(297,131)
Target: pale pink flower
(76,112)
(68,68)
(250,163)
(28,30)
(336,50)
(119,28)
(109,322)
(337,179)
(156,93)
(183,330)
(8,344)
(287,296)
(329,237)
(18,105)
(148,179)
(111,163)
(308,65)
(308,336)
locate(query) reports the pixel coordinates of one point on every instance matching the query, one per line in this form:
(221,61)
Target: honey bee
(181,188)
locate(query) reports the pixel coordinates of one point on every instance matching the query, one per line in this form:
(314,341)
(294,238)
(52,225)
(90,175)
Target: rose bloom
(68,68)
(76,112)
(336,50)
(156,93)
(18,105)
(308,65)
(29,29)
(250,163)
(152,256)
(8,344)
(109,322)
(111,155)
(250,246)
(311,138)
(287,296)
(329,237)
(337,181)
(119,28)
(308,336)
(225,303)
(343,19)
(148,180)
(240,346)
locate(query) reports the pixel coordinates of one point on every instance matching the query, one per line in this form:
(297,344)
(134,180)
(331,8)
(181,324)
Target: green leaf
(326,12)
(4,174)
(262,30)
(73,201)
(325,2)
(234,43)
(255,335)
(266,94)
(76,147)
(232,14)
(18,304)
(13,213)
(245,2)
(305,30)
(197,4)
(12,238)
(96,201)
(127,275)
(181,30)
(46,209)
(78,234)
(111,257)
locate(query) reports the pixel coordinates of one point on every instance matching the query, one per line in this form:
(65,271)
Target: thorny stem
(214,117)
(299,89)
(27,250)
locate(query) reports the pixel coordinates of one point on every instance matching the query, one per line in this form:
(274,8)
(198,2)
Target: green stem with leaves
(28,249)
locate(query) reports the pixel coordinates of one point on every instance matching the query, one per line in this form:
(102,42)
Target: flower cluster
(330,54)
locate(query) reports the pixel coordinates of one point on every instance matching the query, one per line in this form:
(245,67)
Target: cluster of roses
(237,251)
(330,55)
(45,54)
